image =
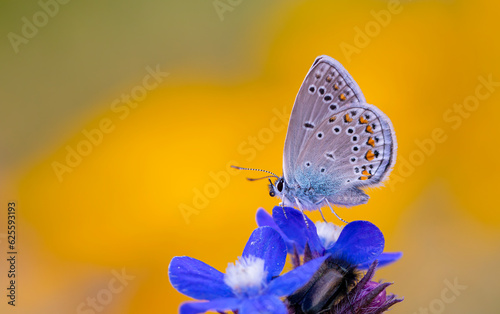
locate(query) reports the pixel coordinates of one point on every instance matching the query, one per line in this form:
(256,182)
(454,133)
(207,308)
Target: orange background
(118,208)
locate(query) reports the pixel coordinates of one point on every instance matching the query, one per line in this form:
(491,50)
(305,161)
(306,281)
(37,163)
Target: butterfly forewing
(353,147)
(326,89)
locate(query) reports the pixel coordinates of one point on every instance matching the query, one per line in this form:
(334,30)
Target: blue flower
(358,243)
(251,285)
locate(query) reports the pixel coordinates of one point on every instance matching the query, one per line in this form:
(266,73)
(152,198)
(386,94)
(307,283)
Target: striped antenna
(253,169)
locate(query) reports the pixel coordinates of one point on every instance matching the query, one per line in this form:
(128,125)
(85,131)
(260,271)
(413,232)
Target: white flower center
(246,276)
(328,233)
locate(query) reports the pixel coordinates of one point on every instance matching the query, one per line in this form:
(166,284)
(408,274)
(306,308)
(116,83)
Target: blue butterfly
(336,143)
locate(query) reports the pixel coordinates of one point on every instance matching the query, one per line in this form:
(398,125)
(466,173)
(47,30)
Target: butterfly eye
(279,186)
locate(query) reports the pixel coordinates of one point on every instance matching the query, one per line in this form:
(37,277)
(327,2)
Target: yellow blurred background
(116,115)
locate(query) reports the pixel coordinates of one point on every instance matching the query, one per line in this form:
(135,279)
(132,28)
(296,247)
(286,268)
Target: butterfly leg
(329,205)
(282,204)
(322,215)
(302,210)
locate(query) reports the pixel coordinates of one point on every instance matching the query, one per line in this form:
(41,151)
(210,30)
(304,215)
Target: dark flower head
(328,285)
(379,298)
(367,297)
(251,285)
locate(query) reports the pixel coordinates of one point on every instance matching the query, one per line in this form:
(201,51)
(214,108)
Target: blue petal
(265,304)
(197,279)
(295,279)
(383,260)
(359,242)
(266,243)
(264,219)
(295,228)
(229,304)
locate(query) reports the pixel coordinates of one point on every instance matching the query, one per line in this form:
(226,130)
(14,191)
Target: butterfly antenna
(254,169)
(255,179)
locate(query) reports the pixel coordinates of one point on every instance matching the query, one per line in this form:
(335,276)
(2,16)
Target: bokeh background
(227,75)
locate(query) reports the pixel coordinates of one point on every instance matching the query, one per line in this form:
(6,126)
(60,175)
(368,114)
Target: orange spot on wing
(371,142)
(363,178)
(365,173)
(328,78)
(336,87)
(369,155)
(332,119)
(369,129)
(362,120)
(347,118)
(342,97)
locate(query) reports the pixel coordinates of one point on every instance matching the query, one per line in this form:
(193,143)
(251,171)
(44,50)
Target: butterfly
(336,143)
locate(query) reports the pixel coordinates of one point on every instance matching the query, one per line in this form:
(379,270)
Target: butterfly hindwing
(327,88)
(353,147)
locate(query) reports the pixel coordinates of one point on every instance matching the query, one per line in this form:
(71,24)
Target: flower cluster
(327,261)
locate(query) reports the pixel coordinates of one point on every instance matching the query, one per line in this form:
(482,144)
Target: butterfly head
(277,188)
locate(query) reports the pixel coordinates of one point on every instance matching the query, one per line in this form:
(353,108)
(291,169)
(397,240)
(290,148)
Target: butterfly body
(336,143)
(311,195)
(316,194)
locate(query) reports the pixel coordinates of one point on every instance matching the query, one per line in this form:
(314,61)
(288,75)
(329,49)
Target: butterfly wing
(354,147)
(327,87)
